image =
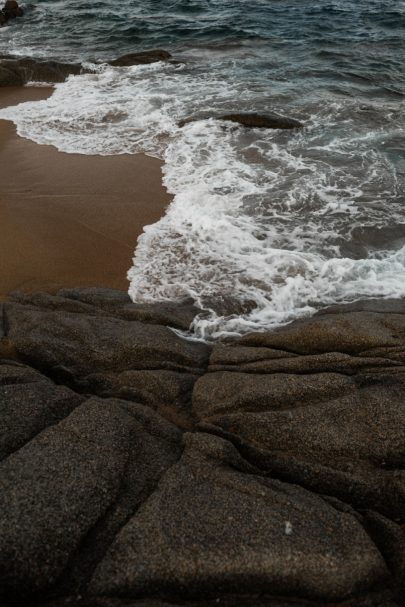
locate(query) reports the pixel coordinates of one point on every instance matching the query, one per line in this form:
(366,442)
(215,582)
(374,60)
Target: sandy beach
(69,219)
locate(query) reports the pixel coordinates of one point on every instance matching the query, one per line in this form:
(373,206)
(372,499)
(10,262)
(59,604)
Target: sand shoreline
(69,220)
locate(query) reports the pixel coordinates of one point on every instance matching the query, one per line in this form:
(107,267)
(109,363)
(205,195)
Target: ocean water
(265,225)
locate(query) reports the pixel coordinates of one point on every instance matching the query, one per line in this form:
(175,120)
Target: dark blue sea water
(265,226)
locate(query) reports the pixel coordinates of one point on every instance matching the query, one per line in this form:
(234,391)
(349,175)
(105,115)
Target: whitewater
(265,226)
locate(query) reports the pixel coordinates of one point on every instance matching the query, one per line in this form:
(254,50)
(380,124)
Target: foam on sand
(265,226)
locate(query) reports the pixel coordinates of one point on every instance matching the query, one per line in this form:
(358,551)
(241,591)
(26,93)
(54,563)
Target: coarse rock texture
(142,468)
(16,71)
(29,402)
(215,522)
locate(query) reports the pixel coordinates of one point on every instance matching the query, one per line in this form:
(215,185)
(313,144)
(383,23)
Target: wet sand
(68,219)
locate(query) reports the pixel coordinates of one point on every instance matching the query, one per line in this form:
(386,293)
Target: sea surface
(265,225)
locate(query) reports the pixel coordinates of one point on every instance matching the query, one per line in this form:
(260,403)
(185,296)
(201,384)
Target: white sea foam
(265,226)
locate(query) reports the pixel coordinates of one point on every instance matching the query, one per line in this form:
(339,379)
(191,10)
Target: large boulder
(11,10)
(318,402)
(96,466)
(118,303)
(29,402)
(353,332)
(291,486)
(81,344)
(93,341)
(217,525)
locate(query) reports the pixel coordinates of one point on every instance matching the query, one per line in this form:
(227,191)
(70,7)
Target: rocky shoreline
(139,468)
(18,71)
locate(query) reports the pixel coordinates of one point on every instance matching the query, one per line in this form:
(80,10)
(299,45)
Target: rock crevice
(138,466)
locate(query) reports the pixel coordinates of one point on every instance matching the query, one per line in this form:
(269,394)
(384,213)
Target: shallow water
(265,226)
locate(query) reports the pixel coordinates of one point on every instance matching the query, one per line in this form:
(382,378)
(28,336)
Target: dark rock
(267,121)
(125,358)
(10,77)
(141,58)
(269,360)
(390,539)
(106,299)
(168,392)
(29,402)
(46,301)
(67,479)
(157,446)
(318,402)
(16,72)
(351,333)
(372,599)
(252,120)
(178,315)
(291,491)
(19,71)
(107,302)
(11,10)
(383,306)
(225,392)
(78,345)
(354,439)
(216,525)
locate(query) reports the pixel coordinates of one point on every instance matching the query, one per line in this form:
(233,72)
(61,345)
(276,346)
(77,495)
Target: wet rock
(350,333)
(320,400)
(29,402)
(216,525)
(9,76)
(11,10)
(141,58)
(266,121)
(118,303)
(108,302)
(96,466)
(78,345)
(268,360)
(17,72)
(109,353)
(252,120)
(382,306)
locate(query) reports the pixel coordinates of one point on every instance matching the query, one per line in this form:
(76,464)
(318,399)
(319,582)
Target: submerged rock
(253,120)
(263,121)
(19,71)
(141,58)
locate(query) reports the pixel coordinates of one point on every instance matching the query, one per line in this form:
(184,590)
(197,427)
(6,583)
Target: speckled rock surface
(139,468)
